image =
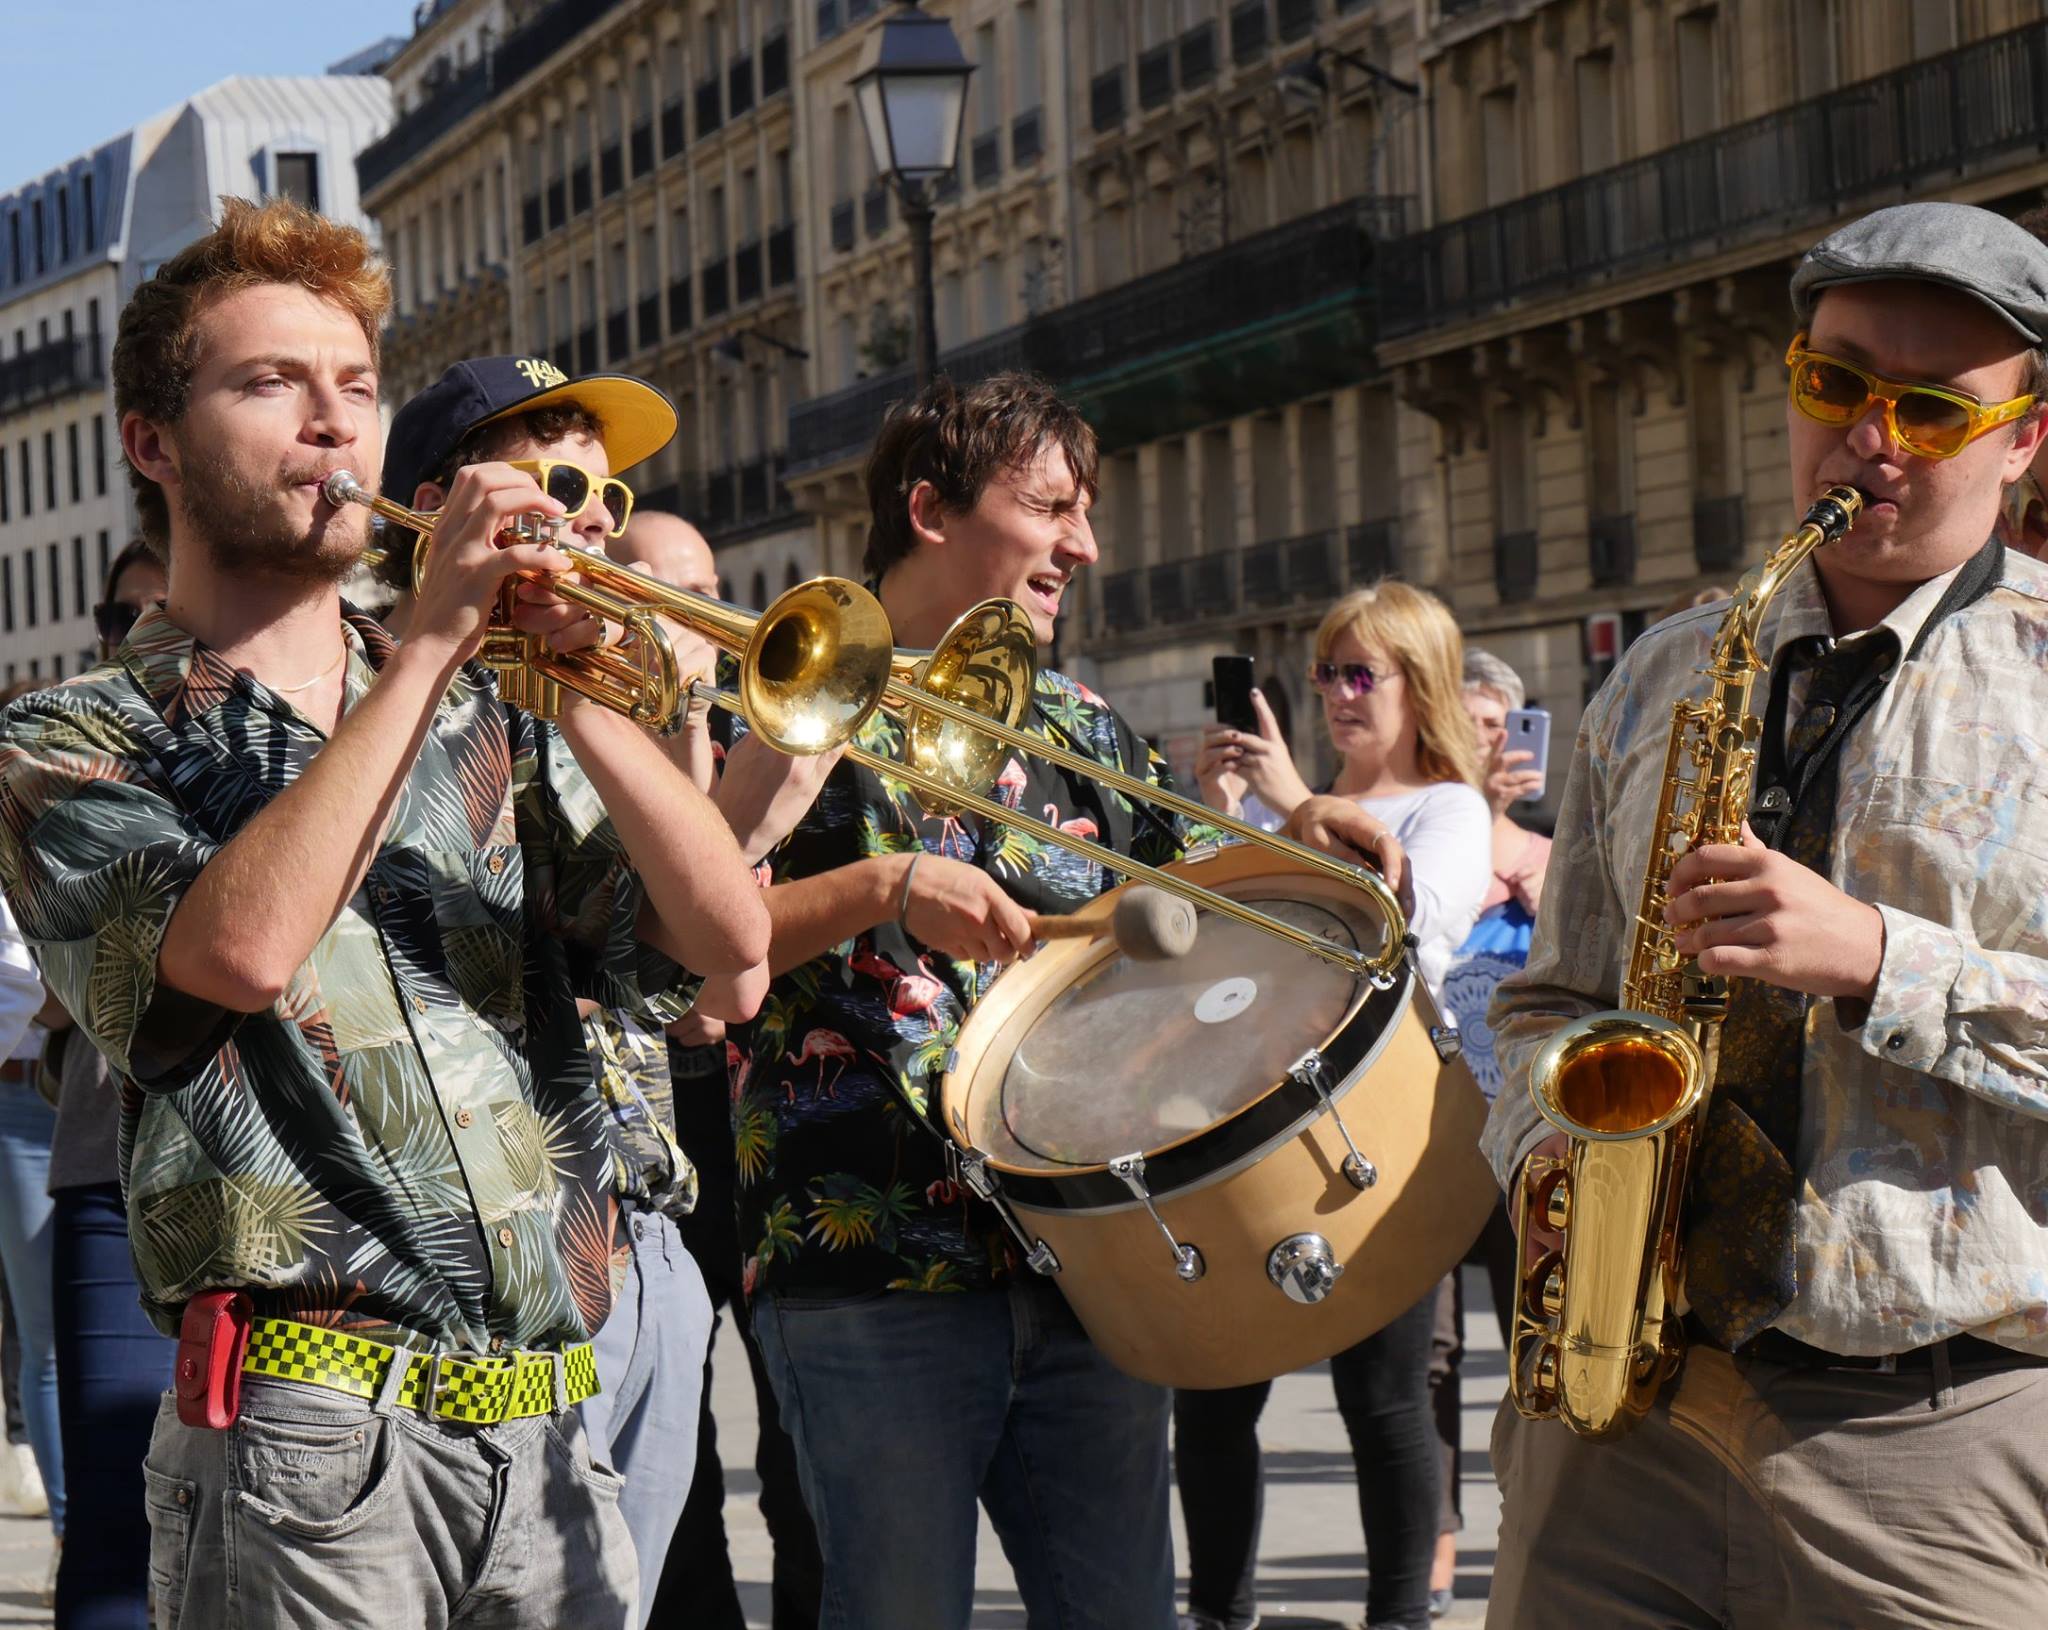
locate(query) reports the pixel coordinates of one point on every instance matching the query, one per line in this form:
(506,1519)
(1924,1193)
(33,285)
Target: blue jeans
(26,1123)
(112,1369)
(906,1406)
(650,1362)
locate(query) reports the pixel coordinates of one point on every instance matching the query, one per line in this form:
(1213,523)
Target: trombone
(815,665)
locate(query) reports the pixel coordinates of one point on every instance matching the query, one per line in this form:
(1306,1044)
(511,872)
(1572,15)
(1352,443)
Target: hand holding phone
(1233,693)
(1528,731)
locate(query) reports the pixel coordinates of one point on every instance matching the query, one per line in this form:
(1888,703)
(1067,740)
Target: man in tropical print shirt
(916,1365)
(327,904)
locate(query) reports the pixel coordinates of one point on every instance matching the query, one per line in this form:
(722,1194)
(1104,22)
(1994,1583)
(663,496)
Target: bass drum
(1243,1160)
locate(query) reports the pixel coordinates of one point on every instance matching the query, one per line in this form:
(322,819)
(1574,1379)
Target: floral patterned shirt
(1923,1148)
(409,1143)
(632,1065)
(844,1188)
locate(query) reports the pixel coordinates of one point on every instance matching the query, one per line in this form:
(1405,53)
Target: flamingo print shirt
(844,1187)
(409,1144)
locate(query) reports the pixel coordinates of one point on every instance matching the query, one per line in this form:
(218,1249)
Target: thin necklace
(290,690)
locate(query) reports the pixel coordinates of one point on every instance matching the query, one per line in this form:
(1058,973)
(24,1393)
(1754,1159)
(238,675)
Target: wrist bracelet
(903,904)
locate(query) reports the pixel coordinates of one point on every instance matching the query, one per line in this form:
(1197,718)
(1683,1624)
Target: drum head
(1100,1056)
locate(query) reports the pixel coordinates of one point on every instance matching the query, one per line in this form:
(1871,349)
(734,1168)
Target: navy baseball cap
(638,419)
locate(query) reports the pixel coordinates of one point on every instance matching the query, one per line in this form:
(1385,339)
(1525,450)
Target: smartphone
(1528,731)
(1234,694)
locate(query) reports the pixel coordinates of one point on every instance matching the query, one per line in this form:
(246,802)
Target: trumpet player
(327,906)
(1855,1437)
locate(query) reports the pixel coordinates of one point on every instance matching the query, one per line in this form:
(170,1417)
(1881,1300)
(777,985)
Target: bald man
(697,1579)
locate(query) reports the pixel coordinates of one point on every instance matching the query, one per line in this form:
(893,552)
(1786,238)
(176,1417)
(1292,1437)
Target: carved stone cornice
(1633,345)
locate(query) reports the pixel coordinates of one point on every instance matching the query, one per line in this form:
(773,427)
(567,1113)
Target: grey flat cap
(1976,251)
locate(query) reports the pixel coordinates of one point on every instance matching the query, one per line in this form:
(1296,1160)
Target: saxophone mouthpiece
(341,488)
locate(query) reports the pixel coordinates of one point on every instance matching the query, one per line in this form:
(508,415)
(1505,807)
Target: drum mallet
(1148,925)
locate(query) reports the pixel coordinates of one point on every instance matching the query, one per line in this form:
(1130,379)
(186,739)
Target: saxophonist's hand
(1749,912)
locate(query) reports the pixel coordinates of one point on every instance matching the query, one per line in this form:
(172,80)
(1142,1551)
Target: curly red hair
(156,346)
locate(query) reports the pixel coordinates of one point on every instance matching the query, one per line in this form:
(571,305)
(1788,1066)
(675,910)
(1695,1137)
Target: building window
(89,226)
(6,500)
(36,233)
(1502,154)
(28,473)
(49,469)
(298,178)
(7,601)
(28,586)
(63,224)
(71,449)
(1598,147)
(988,88)
(1699,72)
(78,599)
(1027,55)
(14,249)
(56,584)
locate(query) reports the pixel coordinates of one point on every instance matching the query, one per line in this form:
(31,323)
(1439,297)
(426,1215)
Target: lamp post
(912,92)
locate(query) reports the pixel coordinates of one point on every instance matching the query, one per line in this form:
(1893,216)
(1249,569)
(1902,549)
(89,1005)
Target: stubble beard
(247,528)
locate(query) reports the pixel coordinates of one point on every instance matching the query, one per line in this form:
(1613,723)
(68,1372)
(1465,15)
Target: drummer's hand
(960,911)
(763,794)
(1337,826)
(1542,1240)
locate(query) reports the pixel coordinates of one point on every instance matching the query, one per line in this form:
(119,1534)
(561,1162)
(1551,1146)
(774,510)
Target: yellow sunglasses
(1931,421)
(572,486)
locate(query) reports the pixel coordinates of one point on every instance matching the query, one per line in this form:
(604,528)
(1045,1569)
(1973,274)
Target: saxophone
(1597,1331)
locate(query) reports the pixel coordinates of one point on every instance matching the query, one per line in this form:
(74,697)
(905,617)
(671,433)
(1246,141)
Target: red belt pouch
(211,1342)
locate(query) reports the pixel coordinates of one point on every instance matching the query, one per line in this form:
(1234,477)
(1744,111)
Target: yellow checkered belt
(480,1389)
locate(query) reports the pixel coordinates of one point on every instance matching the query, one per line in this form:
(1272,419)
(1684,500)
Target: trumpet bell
(987,661)
(815,666)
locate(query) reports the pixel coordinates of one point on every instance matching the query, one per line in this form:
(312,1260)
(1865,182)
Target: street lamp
(912,91)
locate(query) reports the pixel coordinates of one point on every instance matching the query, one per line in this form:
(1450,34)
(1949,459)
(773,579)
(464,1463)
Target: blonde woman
(1388,666)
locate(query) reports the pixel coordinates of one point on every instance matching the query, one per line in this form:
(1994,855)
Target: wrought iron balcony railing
(1305,263)
(59,368)
(1801,165)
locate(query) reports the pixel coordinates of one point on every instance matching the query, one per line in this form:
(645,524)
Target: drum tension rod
(971,1167)
(1312,1073)
(1187,1259)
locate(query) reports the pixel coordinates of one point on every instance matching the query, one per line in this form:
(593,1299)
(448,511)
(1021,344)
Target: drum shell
(1414,1116)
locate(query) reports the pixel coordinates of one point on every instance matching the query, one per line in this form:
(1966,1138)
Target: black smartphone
(1234,694)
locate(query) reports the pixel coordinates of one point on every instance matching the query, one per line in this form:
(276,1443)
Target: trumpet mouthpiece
(341,488)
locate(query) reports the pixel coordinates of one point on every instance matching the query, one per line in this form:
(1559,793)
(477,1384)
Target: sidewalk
(1311,1554)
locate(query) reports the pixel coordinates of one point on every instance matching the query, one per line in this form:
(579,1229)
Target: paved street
(1311,1561)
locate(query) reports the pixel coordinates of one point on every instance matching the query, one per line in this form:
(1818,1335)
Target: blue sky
(81,71)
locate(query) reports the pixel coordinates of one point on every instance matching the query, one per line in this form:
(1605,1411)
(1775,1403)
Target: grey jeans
(315,1508)
(1761,1497)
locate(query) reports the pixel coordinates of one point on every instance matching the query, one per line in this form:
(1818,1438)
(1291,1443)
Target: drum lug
(1304,1266)
(1444,1038)
(1187,1259)
(1311,1072)
(970,1166)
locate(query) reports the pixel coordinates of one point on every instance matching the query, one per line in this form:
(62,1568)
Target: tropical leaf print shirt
(842,1187)
(631,1061)
(409,1143)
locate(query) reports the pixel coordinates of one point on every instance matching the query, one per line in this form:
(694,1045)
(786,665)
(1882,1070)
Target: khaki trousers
(1760,1497)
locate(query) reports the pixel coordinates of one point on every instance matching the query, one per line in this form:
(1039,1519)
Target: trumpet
(813,668)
